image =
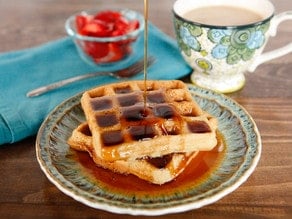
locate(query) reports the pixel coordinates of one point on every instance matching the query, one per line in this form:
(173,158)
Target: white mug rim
(266,18)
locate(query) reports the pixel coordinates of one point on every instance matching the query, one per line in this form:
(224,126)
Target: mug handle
(267,56)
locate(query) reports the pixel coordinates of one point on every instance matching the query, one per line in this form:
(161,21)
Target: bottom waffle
(155,170)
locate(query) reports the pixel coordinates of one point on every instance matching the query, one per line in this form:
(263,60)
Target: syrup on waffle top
(123,128)
(155,170)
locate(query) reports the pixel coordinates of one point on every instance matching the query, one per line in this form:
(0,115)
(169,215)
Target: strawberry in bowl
(105,36)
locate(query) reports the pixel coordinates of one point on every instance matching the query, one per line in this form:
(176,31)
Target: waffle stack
(155,141)
(157,170)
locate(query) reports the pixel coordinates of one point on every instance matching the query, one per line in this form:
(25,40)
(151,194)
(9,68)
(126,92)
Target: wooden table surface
(25,192)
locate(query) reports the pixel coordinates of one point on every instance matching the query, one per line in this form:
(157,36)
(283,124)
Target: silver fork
(128,72)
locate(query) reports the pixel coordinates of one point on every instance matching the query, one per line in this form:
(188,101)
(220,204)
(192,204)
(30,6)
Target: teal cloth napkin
(21,71)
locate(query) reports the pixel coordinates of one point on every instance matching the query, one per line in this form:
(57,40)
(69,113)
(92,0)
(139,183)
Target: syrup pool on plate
(195,173)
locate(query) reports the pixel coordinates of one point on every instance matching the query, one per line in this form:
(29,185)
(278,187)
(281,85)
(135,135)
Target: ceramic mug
(221,54)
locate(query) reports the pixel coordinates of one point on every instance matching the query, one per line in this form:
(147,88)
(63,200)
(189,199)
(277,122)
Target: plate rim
(161,210)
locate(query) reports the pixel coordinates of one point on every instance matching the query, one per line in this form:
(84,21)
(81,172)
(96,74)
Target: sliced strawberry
(81,21)
(97,28)
(106,24)
(108,16)
(116,52)
(119,51)
(96,50)
(121,23)
(118,32)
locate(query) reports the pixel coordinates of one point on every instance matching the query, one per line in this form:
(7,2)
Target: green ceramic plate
(76,175)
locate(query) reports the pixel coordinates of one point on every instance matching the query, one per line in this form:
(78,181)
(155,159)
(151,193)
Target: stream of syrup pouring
(145,53)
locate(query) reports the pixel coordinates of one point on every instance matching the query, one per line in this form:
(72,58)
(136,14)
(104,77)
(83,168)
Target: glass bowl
(99,50)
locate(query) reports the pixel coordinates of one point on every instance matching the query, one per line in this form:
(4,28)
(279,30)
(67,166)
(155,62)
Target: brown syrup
(101,103)
(155,97)
(107,120)
(140,123)
(134,113)
(145,51)
(86,131)
(141,132)
(123,90)
(164,111)
(111,138)
(195,173)
(128,100)
(160,162)
(198,127)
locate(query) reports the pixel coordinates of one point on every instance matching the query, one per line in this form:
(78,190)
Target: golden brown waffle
(156,170)
(122,129)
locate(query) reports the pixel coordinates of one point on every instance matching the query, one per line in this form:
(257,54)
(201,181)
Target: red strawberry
(106,24)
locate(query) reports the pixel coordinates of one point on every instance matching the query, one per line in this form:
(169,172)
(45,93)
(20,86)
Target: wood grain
(25,192)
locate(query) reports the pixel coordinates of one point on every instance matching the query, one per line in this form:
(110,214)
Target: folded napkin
(21,71)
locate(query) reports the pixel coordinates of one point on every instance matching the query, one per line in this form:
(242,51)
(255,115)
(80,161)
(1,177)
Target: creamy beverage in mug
(212,15)
(223,39)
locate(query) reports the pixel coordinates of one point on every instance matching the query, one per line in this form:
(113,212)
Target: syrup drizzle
(145,51)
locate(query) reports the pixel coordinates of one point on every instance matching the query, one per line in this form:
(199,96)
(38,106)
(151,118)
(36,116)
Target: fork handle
(53,86)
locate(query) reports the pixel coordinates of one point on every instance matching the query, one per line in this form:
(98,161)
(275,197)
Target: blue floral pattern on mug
(233,45)
(236,45)
(220,51)
(188,39)
(217,34)
(256,40)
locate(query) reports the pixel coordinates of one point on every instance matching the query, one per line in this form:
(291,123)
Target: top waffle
(122,128)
